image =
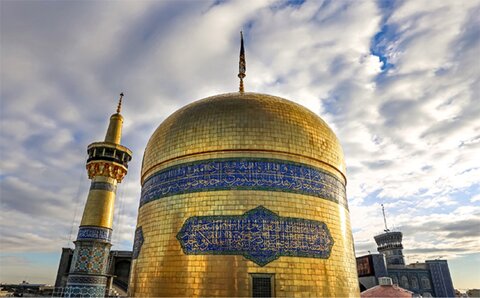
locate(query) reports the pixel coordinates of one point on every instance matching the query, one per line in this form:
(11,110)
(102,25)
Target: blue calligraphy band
(244,174)
(259,235)
(137,242)
(94,233)
(103,186)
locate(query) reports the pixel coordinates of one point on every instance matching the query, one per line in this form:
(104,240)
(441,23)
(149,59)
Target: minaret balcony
(390,246)
(106,169)
(109,152)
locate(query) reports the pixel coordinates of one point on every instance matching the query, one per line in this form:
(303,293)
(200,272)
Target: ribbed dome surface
(249,122)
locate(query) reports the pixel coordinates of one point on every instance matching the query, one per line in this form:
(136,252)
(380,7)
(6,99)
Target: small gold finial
(119,107)
(241,65)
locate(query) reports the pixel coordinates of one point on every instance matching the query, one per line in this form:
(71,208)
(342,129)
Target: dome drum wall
(237,185)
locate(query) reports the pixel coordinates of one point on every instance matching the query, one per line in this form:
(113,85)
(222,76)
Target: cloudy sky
(398,81)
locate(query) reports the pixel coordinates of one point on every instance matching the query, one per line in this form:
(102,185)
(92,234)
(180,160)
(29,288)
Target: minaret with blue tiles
(107,165)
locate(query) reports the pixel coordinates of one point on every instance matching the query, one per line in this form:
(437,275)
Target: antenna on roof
(385,220)
(242,67)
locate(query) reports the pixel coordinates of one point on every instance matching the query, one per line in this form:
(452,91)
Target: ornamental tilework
(259,235)
(243,174)
(95,185)
(94,233)
(85,291)
(90,259)
(87,279)
(137,242)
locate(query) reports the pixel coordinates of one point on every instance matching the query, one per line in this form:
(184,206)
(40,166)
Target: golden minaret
(107,165)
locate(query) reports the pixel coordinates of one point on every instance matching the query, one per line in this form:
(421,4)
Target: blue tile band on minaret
(87,277)
(103,186)
(85,290)
(94,233)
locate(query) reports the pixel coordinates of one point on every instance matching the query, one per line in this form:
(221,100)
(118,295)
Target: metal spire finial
(241,65)
(385,219)
(119,107)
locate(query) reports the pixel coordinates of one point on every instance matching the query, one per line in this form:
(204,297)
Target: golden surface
(243,121)
(99,207)
(114,131)
(162,269)
(247,125)
(107,169)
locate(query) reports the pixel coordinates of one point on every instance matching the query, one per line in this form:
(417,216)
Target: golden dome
(241,186)
(243,123)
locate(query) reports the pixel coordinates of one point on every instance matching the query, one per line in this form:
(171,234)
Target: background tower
(107,165)
(390,245)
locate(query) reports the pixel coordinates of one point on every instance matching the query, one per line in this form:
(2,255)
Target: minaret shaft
(114,131)
(100,202)
(106,166)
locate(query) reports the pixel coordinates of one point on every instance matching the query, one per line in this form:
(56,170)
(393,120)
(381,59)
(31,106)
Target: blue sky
(398,81)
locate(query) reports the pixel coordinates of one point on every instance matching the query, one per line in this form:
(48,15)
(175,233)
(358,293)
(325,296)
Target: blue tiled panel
(137,242)
(259,235)
(90,258)
(441,278)
(85,291)
(95,185)
(243,174)
(87,279)
(94,233)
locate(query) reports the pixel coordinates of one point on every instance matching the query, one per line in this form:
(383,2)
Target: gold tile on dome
(247,127)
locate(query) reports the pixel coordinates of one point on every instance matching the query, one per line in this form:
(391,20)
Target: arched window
(425,283)
(404,282)
(414,282)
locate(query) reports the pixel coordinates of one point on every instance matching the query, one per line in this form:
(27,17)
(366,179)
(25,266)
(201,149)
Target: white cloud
(475,198)
(410,132)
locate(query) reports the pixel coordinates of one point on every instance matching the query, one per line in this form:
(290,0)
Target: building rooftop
(386,289)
